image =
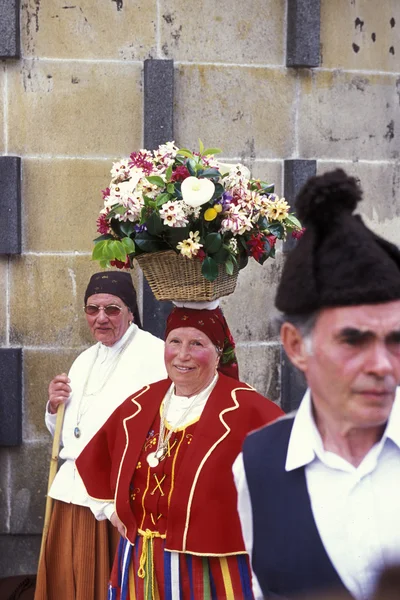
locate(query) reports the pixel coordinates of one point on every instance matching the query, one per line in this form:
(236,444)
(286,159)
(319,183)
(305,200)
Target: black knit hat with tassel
(338,261)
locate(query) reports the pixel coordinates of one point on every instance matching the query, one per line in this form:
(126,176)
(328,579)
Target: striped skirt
(76,561)
(165,575)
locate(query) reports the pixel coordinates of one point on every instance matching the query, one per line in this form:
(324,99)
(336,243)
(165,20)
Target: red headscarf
(213,324)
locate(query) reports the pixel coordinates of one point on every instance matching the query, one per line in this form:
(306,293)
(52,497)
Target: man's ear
(294,345)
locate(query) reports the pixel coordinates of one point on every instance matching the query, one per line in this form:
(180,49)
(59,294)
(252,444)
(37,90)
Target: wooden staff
(52,473)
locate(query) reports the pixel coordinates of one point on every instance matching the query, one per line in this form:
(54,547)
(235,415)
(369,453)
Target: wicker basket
(172,276)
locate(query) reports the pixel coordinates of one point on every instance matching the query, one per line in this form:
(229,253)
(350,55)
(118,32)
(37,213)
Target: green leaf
(212,242)
(98,250)
(105,236)
(191,167)
(201,147)
(151,244)
(154,224)
(262,223)
(171,188)
(168,173)
(128,244)
(162,199)
(185,152)
(211,151)
(105,264)
(267,188)
(221,256)
(118,250)
(156,180)
(229,267)
(149,202)
(209,269)
(208,173)
(127,227)
(277,229)
(291,219)
(219,190)
(173,235)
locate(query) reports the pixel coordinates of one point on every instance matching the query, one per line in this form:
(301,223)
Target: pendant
(77,432)
(152,459)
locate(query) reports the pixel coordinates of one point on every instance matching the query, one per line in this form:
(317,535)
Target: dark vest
(288,555)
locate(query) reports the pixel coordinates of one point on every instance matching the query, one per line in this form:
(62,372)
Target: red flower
(105,193)
(102,224)
(271,239)
(256,247)
(180,173)
(200,255)
(296,234)
(119,264)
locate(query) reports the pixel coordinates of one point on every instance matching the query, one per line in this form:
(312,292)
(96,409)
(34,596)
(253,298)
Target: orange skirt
(77,559)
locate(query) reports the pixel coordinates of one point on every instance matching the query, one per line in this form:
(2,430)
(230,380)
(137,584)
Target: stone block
(380,182)
(293,385)
(10,204)
(259,367)
(56,317)
(4,493)
(11,396)
(303,33)
(62,200)
(2,107)
(75,108)
(158,79)
(110,30)
(349,116)
(256,124)
(3,299)
(9,29)
(29,469)
(243,33)
(19,554)
(40,366)
(250,310)
(296,173)
(357,35)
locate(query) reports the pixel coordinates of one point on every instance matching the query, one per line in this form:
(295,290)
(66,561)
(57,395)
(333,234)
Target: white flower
(236,221)
(233,245)
(120,169)
(173,214)
(196,192)
(191,246)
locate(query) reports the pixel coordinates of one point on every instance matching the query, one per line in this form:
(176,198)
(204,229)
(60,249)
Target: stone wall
(72,102)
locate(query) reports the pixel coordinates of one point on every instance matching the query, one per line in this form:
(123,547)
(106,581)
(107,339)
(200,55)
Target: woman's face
(191,360)
(104,328)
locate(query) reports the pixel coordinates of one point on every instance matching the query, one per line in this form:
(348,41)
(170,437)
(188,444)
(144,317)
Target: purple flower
(140,228)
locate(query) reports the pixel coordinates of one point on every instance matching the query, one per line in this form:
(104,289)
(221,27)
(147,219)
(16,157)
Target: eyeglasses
(111,310)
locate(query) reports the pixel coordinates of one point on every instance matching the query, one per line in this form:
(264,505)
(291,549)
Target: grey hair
(304,323)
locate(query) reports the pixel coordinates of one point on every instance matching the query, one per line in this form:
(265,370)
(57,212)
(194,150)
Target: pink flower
(105,193)
(180,173)
(297,234)
(102,224)
(141,160)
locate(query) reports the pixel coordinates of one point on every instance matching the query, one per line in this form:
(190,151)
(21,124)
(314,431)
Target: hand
(118,524)
(59,392)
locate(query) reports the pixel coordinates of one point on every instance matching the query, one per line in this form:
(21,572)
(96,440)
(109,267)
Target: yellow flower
(277,210)
(210,214)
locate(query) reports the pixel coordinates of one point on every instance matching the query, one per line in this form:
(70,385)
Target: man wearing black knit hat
(319,490)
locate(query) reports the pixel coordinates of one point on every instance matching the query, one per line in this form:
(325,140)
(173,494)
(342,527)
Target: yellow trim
(148,537)
(206,457)
(139,408)
(227,578)
(132,592)
(173,468)
(144,494)
(169,426)
(158,484)
(206,553)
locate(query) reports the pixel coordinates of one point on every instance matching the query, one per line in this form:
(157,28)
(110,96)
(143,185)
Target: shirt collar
(305,441)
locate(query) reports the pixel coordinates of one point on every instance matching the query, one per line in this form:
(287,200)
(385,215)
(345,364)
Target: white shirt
(356,509)
(114,375)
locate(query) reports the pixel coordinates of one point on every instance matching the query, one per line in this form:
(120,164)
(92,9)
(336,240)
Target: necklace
(154,458)
(84,401)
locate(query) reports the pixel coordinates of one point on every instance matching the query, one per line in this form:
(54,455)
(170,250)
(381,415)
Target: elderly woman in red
(165,459)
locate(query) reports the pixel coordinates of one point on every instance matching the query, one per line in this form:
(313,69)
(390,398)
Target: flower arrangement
(206,210)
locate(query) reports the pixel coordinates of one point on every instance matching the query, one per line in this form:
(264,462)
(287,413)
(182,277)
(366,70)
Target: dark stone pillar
(10,396)
(10,205)
(158,129)
(293,385)
(303,33)
(9,29)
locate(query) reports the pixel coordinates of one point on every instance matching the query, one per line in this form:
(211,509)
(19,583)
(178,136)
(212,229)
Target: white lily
(237,167)
(196,192)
